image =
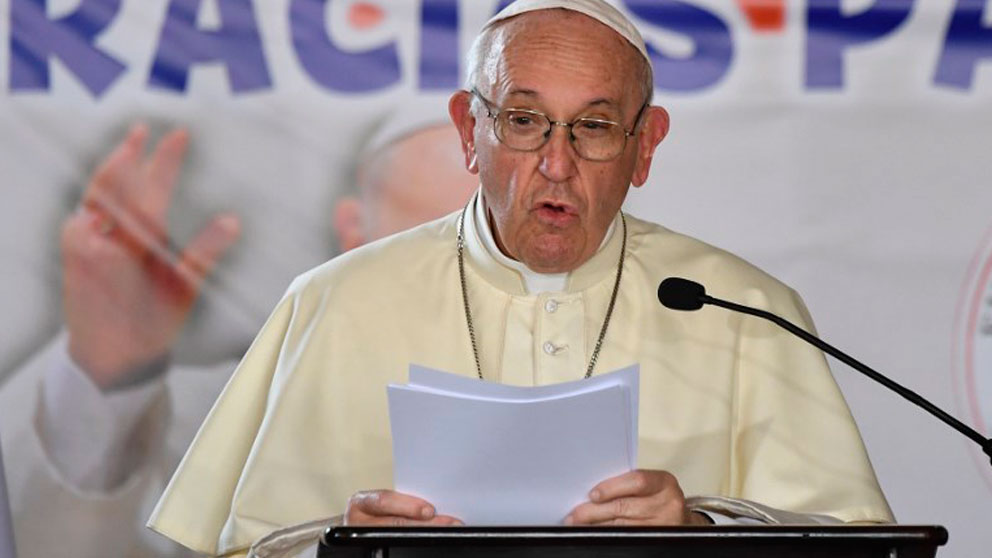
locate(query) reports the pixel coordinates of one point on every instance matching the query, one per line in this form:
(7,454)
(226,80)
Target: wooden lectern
(846,541)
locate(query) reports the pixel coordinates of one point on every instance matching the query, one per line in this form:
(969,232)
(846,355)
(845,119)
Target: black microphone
(682,294)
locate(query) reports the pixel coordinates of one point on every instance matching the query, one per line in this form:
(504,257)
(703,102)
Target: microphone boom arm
(906,393)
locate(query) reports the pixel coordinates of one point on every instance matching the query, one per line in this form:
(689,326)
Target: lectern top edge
(934,534)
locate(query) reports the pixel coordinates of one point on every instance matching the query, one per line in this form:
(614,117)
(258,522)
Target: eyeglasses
(594,139)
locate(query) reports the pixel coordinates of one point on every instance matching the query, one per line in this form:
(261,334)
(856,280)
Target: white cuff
(293,541)
(738,510)
(86,431)
(720,519)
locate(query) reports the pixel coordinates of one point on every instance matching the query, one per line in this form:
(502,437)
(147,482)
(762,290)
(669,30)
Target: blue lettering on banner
(966,43)
(439,44)
(35,38)
(501,5)
(329,65)
(236,43)
(829,33)
(713,51)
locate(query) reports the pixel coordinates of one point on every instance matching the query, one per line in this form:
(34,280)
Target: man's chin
(552,255)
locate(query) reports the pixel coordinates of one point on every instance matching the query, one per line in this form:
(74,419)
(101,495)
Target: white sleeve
(730,511)
(51,516)
(86,431)
(717,518)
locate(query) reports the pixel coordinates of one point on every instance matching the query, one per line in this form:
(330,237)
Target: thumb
(203,252)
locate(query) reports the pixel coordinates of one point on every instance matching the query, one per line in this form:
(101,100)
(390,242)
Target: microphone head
(681,294)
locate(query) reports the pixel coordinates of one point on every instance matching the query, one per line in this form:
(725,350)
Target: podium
(731,541)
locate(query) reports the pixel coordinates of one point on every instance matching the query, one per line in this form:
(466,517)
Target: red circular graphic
(365,15)
(973,349)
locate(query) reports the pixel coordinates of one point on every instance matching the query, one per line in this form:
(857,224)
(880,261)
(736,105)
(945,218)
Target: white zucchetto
(599,10)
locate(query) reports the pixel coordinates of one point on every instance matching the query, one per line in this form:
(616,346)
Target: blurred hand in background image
(127,291)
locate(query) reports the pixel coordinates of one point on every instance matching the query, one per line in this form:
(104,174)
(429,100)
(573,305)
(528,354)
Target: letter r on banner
(35,38)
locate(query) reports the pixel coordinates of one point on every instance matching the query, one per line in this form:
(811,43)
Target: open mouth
(554,207)
(557,214)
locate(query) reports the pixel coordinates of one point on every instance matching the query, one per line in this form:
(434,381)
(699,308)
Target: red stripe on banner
(764,15)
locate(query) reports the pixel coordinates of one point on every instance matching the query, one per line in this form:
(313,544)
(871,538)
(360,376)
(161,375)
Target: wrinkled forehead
(546,51)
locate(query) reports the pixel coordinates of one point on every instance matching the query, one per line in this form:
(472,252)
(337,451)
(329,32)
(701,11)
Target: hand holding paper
(388,507)
(641,497)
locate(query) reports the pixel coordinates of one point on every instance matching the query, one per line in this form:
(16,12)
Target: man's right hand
(388,507)
(126,290)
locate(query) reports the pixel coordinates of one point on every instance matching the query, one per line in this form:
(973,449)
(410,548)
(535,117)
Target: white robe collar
(515,277)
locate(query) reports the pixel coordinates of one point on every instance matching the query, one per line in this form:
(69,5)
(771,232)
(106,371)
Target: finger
(626,522)
(81,223)
(119,167)
(591,513)
(397,521)
(668,516)
(437,521)
(80,233)
(202,253)
(153,193)
(389,503)
(632,483)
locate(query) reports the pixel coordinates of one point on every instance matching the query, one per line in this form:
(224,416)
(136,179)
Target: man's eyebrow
(609,107)
(600,102)
(525,92)
(603,101)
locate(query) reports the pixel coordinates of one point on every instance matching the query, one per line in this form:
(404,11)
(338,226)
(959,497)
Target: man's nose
(558,156)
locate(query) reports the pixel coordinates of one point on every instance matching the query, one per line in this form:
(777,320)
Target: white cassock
(731,405)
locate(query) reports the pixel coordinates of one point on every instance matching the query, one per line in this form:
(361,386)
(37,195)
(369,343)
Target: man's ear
(460,110)
(654,128)
(348,223)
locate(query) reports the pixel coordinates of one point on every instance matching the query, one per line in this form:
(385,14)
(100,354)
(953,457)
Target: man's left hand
(640,497)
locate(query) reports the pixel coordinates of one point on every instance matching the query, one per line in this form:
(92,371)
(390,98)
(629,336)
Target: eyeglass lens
(592,139)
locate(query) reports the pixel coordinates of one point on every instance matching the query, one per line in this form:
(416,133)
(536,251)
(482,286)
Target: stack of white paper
(491,454)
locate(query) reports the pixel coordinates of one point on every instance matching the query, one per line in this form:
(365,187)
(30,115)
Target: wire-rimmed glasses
(595,139)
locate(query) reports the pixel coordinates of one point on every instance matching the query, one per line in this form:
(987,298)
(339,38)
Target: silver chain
(468,312)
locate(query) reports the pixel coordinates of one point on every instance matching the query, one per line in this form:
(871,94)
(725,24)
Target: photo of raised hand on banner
(116,411)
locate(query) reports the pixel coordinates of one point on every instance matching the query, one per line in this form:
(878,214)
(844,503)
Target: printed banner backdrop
(843,146)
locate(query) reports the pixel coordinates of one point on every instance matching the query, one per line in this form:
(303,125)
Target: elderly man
(540,279)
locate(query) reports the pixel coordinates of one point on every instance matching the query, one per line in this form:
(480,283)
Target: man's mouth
(556,213)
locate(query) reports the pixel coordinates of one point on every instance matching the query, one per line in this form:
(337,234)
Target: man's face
(550,208)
